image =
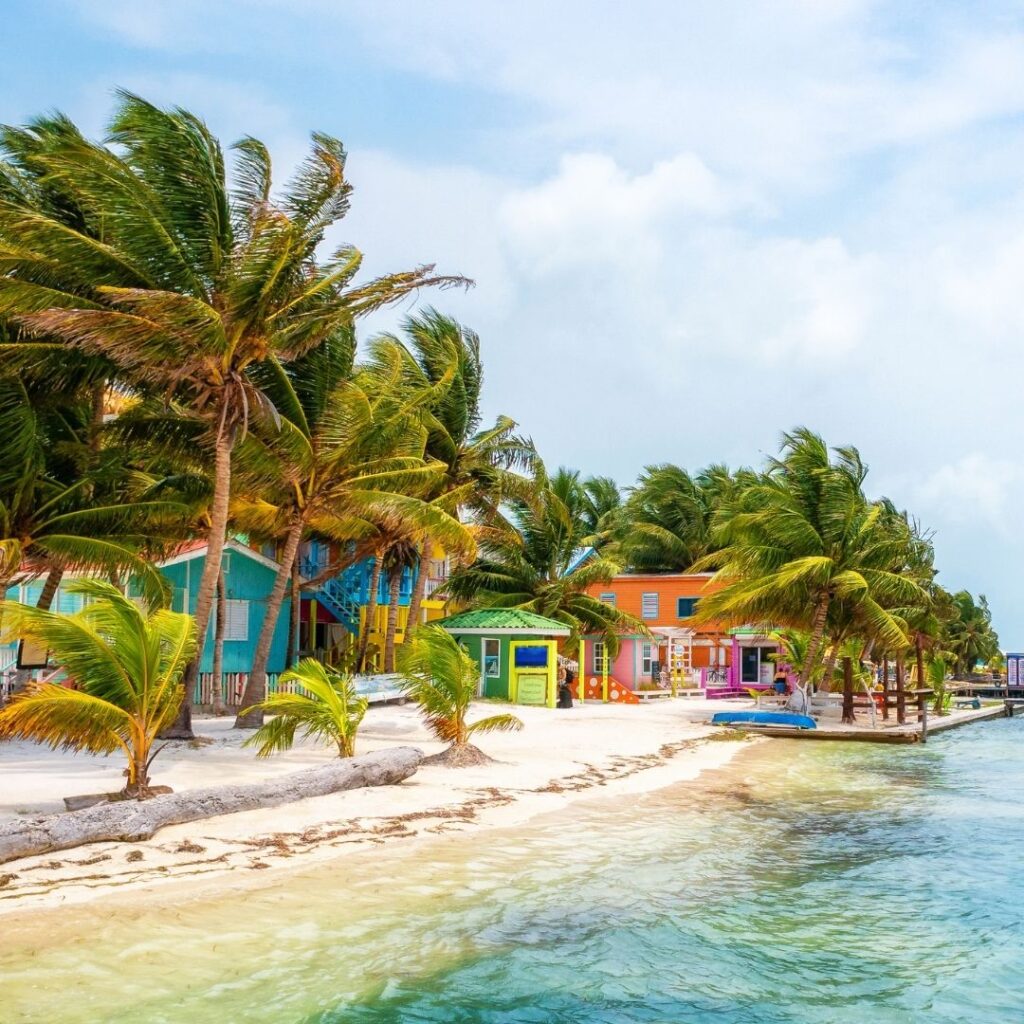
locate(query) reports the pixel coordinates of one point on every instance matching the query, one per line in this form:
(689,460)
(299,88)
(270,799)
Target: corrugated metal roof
(504,620)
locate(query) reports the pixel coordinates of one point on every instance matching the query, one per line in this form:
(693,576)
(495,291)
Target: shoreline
(604,750)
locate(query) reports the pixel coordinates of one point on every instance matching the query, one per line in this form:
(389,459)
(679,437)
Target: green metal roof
(501,620)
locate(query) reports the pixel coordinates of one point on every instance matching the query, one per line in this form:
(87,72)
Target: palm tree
(329,710)
(345,463)
(442,678)
(668,521)
(970,636)
(192,282)
(478,464)
(805,538)
(532,564)
(126,668)
(66,505)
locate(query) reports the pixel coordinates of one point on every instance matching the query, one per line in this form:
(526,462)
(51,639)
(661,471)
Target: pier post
(885,689)
(922,707)
(901,697)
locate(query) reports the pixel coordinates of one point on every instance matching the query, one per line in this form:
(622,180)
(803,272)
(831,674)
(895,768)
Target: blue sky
(692,225)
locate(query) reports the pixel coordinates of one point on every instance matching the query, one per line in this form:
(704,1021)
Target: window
(492,658)
(608,599)
(599,659)
(686,606)
(649,606)
(648,656)
(236,620)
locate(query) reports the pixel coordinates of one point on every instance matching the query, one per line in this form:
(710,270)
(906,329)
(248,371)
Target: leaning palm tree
(345,463)
(59,513)
(478,463)
(181,279)
(125,667)
(328,710)
(442,678)
(805,539)
(533,563)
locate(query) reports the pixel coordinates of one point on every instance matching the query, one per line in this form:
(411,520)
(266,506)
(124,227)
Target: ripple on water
(807,883)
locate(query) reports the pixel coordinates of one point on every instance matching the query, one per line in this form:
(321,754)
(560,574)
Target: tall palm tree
(126,668)
(531,564)
(345,463)
(183,281)
(442,358)
(804,539)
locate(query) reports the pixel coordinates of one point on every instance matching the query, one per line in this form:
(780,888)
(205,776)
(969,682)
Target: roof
(197,548)
(503,622)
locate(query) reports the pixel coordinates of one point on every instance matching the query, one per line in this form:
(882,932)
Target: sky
(691,225)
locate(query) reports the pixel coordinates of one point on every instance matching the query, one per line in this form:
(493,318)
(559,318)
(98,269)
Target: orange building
(714,658)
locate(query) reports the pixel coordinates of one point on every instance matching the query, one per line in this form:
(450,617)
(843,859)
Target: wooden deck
(910,733)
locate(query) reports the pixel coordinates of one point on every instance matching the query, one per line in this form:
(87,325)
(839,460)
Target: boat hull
(785,719)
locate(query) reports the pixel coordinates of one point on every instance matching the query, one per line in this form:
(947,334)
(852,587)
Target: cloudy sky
(692,225)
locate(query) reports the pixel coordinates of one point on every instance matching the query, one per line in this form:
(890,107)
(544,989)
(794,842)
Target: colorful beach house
(716,660)
(335,607)
(516,651)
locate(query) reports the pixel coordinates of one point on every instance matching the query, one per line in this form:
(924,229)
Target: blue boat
(784,719)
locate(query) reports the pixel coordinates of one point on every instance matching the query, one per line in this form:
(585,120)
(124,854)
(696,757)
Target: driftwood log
(132,820)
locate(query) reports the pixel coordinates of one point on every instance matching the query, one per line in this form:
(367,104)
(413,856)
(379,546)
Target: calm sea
(807,883)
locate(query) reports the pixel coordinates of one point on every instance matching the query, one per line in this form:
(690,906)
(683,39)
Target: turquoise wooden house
(248,580)
(517,652)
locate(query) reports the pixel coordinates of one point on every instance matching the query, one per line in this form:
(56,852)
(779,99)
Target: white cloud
(976,487)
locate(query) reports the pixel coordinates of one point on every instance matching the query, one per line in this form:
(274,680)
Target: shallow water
(819,883)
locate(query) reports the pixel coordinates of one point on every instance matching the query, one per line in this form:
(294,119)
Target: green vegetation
(442,679)
(180,361)
(329,710)
(126,668)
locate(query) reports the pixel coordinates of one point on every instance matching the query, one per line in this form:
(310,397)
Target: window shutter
(649,606)
(236,620)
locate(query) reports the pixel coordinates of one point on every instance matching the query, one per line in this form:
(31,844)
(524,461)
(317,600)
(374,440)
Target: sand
(559,757)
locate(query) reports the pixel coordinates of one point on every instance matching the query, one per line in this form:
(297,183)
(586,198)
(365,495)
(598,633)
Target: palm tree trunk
(919,653)
(49,591)
(371,613)
(901,699)
(216,694)
(814,644)
(294,609)
(848,713)
(389,638)
(421,586)
(256,685)
(216,537)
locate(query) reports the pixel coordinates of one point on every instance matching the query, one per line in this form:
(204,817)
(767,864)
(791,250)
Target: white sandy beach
(559,756)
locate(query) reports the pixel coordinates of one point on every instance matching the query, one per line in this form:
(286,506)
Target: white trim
(231,545)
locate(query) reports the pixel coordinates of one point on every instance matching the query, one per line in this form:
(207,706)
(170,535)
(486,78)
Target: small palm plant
(126,667)
(441,678)
(935,673)
(330,710)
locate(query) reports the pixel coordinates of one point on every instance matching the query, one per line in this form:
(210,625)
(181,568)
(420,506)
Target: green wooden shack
(517,652)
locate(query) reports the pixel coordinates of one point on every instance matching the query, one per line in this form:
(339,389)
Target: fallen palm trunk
(133,820)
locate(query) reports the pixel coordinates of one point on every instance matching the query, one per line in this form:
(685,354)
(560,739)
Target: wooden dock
(909,733)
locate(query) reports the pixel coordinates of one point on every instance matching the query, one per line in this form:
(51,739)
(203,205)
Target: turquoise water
(808,883)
